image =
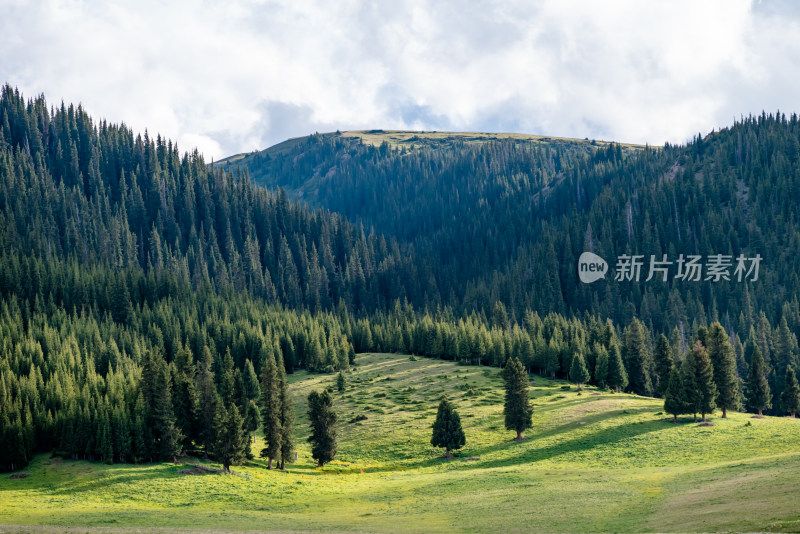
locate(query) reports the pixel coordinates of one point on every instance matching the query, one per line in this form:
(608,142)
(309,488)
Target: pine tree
(723,360)
(207,400)
(286,419)
(759,396)
(601,365)
(518,411)
(578,372)
(322,420)
(232,440)
(252,419)
(617,375)
(447,431)
(790,398)
(663,364)
(703,390)
(638,358)
(270,411)
(340,382)
(184,396)
(675,401)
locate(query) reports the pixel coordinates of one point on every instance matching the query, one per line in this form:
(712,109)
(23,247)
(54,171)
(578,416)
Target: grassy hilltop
(595,461)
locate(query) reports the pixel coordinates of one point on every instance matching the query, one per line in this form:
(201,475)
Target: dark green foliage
(699,382)
(252,418)
(517,410)
(617,375)
(675,398)
(578,372)
(232,440)
(271,411)
(286,419)
(723,360)
(790,398)
(663,364)
(322,420)
(638,358)
(758,393)
(341,383)
(447,431)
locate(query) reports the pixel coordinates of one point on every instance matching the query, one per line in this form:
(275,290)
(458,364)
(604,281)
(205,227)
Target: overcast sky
(250,74)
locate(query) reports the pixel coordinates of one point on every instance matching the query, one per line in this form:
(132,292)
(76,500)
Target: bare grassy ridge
(602,462)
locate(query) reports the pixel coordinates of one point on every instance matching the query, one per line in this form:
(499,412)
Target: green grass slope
(415,139)
(597,461)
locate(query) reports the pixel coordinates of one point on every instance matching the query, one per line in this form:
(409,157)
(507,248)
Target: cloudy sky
(249,74)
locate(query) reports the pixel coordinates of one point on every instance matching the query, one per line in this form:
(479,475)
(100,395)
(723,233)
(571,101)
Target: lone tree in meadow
(517,409)
(790,398)
(322,419)
(617,376)
(702,390)
(447,431)
(675,401)
(759,396)
(578,372)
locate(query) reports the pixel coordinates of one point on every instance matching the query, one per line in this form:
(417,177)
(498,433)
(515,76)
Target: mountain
(505,218)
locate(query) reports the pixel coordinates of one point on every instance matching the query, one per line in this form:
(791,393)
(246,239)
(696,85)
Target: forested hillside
(146,295)
(506,220)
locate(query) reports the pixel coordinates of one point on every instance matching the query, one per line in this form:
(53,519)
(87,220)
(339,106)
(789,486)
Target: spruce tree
(675,401)
(663,364)
(322,420)
(207,400)
(638,358)
(723,360)
(601,365)
(518,411)
(286,419)
(232,440)
(578,372)
(617,375)
(703,389)
(270,411)
(340,382)
(447,431)
(790,398)
(252,419)
(759,397)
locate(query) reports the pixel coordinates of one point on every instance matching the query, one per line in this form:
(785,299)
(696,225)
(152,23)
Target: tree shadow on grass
(530,453)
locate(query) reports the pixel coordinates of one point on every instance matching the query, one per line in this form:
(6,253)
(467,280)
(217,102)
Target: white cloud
(247,74)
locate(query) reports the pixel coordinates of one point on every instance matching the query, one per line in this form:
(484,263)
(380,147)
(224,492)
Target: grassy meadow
(594,461)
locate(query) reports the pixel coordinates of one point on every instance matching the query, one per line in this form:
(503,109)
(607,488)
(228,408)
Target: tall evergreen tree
(702,390)
(270,411)
(518,411)
(447,431)
(663,364)
(232,440)
(322,420)
(617,375)
(207,401)
(759,397)
(638,358)
(723,360)
(286,419)
(790,398)
(578,372)
(675,400)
